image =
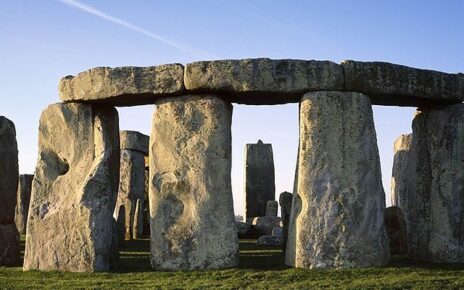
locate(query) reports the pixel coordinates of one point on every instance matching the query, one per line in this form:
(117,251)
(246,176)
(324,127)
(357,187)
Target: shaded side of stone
(22,203)
(133,140)
(285,201)
(272,207)
(396,230)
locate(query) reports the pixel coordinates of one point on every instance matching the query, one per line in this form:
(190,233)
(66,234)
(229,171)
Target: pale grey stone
(341,221)
(191,207)
(263,80)
(264,225)
(259,178)
(121,225)
(272,208)
(278,232)
(285,201)
(393,84)
(133,140)
(70,225)
(138,220)
(123,86)
(22,203)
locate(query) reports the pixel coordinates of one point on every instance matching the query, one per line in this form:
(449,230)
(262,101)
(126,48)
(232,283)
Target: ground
(261,268)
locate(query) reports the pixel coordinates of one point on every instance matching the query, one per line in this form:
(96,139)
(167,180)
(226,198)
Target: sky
(42,41)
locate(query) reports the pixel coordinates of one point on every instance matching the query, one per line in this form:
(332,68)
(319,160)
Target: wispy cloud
(94,11)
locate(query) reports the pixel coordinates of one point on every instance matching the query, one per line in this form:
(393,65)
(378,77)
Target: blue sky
(41,41)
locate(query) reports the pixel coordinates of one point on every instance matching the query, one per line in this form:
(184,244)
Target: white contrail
(94,11)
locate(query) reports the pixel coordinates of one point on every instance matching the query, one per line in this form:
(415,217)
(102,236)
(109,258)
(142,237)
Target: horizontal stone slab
(133,140)
(262,80)
(123,86)
(393,84)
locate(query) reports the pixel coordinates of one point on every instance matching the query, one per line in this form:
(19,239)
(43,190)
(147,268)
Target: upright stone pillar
(285,201)
(259,178)
(272,207)
(9,237)
(432,200)
(134,147)
(191,207)
(341,221)
(22,203)
(400,174)
(70,225)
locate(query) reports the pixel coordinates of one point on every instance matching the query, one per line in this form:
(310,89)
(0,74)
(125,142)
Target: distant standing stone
(23,199)
(272,207)
(285,200)
(259,178)
(264,225)
(121,226)
(341,222)
(396,230)
(401,173)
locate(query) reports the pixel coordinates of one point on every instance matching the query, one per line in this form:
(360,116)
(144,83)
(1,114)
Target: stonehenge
(259,179)
(70,225)
(9,236)
(96,186)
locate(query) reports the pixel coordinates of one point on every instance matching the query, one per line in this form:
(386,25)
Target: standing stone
(400,174)
(259,178)
(341,222)
(146,206)
(121,226)
(9,237)
(22,204)
(70,225)
(285,201)
(272,207)
(434,207)
(396,230)
(191,206)
(138,220)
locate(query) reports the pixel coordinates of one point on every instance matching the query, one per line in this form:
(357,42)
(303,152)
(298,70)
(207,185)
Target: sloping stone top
(133,140)
(263,81)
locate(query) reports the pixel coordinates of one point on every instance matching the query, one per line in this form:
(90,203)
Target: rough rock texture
(272,208)
(70,225)
(131,186)
(396,230)
(8,171)
(400,173)
(9,237)
(340,223)
(138,220)
(264,225)
(259,178)
(121,226)
(278,232)
(242,228)
(285,201)
(9,245)
(191,207)
(123,86)
(269,241)
(434,207)
(22,203)
(263,80)
(146,206)
(393,84)
(133,140)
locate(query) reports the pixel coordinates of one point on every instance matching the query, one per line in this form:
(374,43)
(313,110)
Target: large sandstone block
(9,245)
(123,86)
(285,201)
(70,225)
(400,172)
(434,207)
(133,140)
(396,230)
(259,178)
(340,223)
(272,207)
(23,199)
(191,207)
(8,171)
(263,80)
(131,186)
(393,84)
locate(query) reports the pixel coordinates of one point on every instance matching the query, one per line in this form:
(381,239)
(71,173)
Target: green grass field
(261,268)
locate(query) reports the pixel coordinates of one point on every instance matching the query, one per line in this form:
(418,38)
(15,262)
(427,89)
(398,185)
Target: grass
(261,268)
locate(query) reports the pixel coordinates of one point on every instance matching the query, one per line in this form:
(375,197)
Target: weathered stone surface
(191,207)
(70,225)
(123,86)
(396,230)
(341,221)
(8,171)
(400,172)
(272,207)
(121,226)
(263,80)
(433,207)
(259,178)
(269,241)
(133,140)
(138,220)
(393,84)
(242,228)
(264,225)
(9,245)
(131,186)
(278,232)
(146,206)
(22,203)
(285,201)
